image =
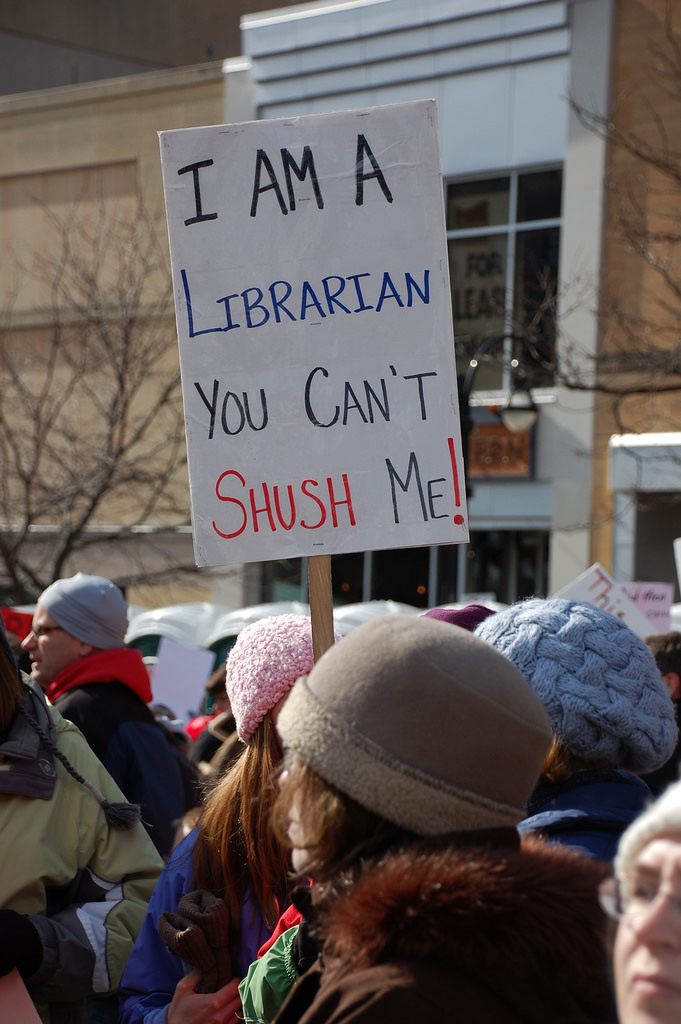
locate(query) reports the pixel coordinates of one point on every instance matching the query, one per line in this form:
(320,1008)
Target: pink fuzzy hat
(263,665)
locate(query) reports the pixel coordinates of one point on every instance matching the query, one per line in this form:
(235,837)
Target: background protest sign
(316,343)
(15,1003)
(179,676)
(655,601)
(597,587)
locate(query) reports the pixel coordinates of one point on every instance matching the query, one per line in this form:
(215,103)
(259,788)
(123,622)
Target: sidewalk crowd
(464,815)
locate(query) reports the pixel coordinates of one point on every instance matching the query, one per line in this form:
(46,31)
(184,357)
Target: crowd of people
(464,815)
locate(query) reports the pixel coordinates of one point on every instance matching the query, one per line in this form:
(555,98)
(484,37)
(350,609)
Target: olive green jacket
(84,885)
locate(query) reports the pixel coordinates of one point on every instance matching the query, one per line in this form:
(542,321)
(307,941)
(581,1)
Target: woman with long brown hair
(411,748)
(233,853)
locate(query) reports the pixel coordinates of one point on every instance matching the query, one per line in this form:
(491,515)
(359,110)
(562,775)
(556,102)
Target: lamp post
(518,415)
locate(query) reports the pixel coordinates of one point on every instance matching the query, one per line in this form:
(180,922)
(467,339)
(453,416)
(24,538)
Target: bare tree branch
(91,428)
(639,310)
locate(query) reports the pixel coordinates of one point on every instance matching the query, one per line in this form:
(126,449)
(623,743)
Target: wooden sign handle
(321,603)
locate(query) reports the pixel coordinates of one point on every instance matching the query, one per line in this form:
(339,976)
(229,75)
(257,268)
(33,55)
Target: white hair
(662,818)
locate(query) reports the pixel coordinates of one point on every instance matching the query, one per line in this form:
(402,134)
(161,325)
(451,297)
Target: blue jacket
(588,812)
(152,972)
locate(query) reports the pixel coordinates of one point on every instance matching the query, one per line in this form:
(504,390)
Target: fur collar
(525,922)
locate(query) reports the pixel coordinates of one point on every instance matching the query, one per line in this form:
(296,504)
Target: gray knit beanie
(421,723)
(663,818)
(597,680)
(91,608)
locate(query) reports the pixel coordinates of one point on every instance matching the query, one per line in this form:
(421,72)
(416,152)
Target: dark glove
(307,945)
(199,934)
(20,944)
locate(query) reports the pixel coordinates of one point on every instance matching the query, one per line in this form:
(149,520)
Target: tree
(91,430)
(637,369)
(636,372)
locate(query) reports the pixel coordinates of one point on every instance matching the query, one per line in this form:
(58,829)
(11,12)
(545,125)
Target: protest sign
(315,333)
(597,587)
(17,622)
(655,601)
(180,675)
(677,558)
(16,1005)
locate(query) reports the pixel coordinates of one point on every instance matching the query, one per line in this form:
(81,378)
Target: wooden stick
(321,602)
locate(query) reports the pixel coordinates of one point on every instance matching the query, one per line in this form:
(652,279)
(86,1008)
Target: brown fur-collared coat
(437,934)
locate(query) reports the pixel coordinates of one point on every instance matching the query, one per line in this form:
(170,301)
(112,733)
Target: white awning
(645,462)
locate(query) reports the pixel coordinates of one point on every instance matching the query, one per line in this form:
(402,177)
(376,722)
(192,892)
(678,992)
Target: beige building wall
(44,43)
(89,155)
(94,127)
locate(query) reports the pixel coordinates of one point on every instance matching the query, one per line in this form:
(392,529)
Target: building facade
(524,192)
(543,272)
(82,200)
(84,90)
(637,435)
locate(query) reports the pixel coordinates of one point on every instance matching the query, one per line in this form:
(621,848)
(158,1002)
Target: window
(347,578)
(281,580)
(401,575)
(503,236)
(511,564)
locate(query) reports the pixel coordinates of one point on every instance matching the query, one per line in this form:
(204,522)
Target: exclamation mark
(458,518)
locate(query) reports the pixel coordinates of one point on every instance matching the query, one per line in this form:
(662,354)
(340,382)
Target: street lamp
(519,414)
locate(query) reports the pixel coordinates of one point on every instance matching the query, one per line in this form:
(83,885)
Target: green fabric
(269,980)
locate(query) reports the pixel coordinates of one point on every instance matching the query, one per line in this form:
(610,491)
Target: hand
(191,1007)
(20,944)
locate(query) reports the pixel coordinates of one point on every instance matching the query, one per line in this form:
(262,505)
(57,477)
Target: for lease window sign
(315,334)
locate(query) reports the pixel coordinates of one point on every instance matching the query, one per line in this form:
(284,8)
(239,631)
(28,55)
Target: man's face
(648,943)
(50,648)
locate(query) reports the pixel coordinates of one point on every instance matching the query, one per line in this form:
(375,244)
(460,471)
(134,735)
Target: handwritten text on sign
(316,345)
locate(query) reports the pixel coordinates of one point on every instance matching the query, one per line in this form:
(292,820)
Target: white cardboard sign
(655,601)
(180,675)
(597,587)
(314,323)
(15,1003)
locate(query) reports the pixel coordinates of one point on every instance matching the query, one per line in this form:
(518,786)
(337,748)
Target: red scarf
(118,665)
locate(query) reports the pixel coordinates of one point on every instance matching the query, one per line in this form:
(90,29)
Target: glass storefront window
(504,272)
(401,575)
(347,573)
(447,573)
(477,205)
(536,279)
(511,564)
(539,195)
(478,279)
(533,560)
(281,580)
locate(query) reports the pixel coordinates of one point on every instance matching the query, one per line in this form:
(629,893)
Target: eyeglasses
(632,898)
(44,630)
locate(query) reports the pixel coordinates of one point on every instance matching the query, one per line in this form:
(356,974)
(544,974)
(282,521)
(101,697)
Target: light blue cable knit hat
(597,680)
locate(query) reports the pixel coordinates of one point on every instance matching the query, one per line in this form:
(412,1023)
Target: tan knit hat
(422,723)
